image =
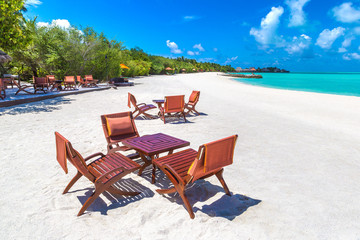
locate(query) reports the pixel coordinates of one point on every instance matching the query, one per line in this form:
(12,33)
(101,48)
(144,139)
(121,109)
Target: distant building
(238,69)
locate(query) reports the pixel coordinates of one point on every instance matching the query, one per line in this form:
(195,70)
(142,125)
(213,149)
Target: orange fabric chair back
(40,80)
(212,157)
(79,79)
(89,77)
(127,116)
(174,103)
(194,97)
(65,151)
(51,78)
(69,79)
(131,99)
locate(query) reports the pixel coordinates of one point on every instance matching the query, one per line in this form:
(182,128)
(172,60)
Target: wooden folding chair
(104,171)
(174,105)
(118,127)
(193,100)
(91,81)
(23,88)
(40,84)
(69,83)
(140,108)
(2,90)
(187,166)
(81,81)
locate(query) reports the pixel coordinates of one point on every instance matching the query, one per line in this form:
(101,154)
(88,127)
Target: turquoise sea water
(333,83)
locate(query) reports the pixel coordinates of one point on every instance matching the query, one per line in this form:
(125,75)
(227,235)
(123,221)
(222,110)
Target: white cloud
(327,38)
(267,32)
(357,30)
(42,24)
(215,49)
(351,56)
(191,53)
(297,15)
(342,50)
(34,3)
(207,60)
(229,60)
(305,36)
(346,13)
(199,47)
(190,18)
(347,41)
(173,47)
(298,44)
(57,22)
(61,23)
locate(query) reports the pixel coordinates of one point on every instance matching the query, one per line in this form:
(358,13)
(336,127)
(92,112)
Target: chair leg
(166,191)
(219,175)
(72,182)
(143,167)
(196,112)
(184,116)
(187,203)
(89,201)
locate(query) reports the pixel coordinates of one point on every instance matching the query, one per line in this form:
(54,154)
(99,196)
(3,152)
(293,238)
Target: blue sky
(298,35)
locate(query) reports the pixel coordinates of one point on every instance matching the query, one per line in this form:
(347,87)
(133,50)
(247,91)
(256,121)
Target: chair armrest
(94,155)
(99,179)
(173,175)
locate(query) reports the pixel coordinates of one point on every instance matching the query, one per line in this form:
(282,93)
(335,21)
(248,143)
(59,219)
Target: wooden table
(150,146)
(56,85)
(159,103)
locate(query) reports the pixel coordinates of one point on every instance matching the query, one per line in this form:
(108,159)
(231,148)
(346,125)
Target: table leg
(153,174)
(146,163)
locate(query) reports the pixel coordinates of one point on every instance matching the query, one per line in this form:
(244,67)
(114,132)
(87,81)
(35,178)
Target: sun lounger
(118,127)
(140,108)
(193,100)
(69,83)
(41,84)
(187,166)
(51,79)
(104,171)
(91,82)
(23,88)
(174,105)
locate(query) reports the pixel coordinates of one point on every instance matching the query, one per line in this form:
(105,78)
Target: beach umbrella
(169,69)
(124,66)
(4,57)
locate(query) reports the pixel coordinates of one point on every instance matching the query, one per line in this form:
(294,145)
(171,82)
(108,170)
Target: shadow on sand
(228,207)
(48,105)
(99,205)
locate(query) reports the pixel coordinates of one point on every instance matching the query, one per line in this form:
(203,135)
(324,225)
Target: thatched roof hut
(4,57)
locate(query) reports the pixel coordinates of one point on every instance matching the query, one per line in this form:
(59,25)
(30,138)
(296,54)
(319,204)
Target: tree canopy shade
(12,25)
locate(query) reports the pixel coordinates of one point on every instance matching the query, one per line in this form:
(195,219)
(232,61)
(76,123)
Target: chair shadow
(191,115)
(47,105)
(117,201)
(143,117)
(228,207)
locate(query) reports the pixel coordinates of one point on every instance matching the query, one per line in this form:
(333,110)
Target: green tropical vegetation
(38,51)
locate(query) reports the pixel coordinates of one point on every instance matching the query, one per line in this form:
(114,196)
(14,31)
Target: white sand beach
(295,175)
